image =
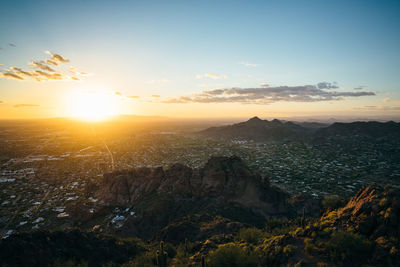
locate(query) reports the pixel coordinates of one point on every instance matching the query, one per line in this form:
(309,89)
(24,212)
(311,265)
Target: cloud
(57,57)
(385,108)
(118,93)
(1,102)
(11,75)
(21,72)
(42,71)
(12,45)
(75,72)
(268,95)
(133,96)
(359,87)
(155,95)
(264,84)
(45,76)
(210,75)
(41,65)
(326,85)
(388,99)
(247,64)
(52,62)
(25,105)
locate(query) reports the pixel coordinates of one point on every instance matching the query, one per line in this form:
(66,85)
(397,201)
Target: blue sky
(144,48)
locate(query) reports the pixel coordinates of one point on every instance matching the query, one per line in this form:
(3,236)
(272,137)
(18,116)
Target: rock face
(223,178)
(375,213)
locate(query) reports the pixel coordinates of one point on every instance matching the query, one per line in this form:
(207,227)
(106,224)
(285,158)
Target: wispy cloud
(41,65)
(73,70)
(268,95)
(264,84)
(41,70)
(57,57)
(133,96)
(379,107)
(326,85)
(10,75)
(388,99)
(155,95)
(360,87)
(212,76)
(25,105)
(247,64)
(12,45)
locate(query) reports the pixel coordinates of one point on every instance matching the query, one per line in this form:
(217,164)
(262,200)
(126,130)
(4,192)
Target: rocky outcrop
(375,213)
(224,178)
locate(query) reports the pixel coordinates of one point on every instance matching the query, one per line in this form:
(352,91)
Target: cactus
(303,217)
(161,256)
(186,247)
(203,262)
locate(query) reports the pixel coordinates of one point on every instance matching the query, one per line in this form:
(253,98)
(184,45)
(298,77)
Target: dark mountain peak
(255,118)
(259,130)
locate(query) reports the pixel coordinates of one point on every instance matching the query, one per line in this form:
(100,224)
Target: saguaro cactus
(186,247)
(161,256)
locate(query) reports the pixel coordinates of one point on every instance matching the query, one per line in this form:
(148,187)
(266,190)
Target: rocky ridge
(223,178)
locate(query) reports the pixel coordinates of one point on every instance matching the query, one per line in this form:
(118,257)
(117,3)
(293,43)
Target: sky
(200,58)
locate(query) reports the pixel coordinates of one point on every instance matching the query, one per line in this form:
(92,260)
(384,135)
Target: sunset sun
(92,106)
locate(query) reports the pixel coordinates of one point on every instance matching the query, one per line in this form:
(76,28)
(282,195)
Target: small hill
(260,130)
(371,130)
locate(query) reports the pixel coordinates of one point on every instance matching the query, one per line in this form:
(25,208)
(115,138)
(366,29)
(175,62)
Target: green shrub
(233,256)
(348,248)
(331,202)
(250,235)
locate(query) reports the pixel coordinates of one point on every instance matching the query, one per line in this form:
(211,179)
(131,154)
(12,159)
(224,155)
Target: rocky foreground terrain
(223,214)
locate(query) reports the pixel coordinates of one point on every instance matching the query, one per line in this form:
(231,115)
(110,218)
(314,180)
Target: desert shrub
(347,248)
(383,202)
(274,223)
(170,249)
(69,263)
(232,255)
(288,250)
(309,247)
(250,235)
(331,202)
(144,260)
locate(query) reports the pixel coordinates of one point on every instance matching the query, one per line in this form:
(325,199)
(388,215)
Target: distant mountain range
(276,130)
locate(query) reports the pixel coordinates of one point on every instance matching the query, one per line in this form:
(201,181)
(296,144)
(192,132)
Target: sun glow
(92,105)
